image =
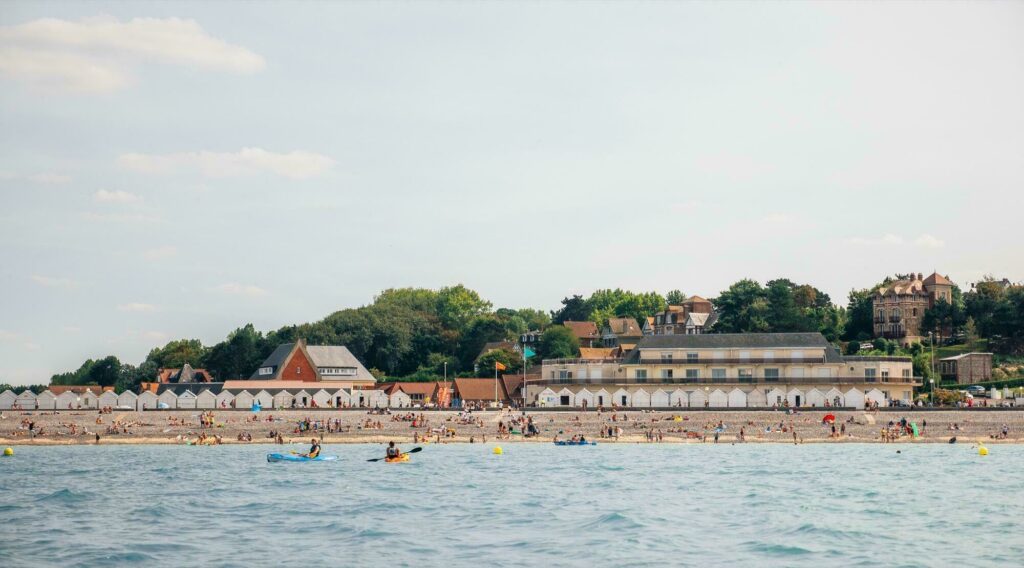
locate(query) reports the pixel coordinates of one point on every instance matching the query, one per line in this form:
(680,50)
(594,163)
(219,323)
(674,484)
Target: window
(666,357)
(640,374)
(796,355)
(719,354)
(298,370)
(563,374)
(771,375)
(718,375)
(885,375)
(915,312)
(693,374)
(744,355)
(906,373)
(264,371)
(869,375)
(666,373)
(746,375)
(691,357)
(769,355)
(797,372)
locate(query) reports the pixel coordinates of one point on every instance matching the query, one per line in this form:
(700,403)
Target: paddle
(412,451)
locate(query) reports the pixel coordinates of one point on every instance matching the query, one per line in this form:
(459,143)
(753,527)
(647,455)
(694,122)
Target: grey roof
(337,356)
(275,359)
(196,388)
(739,341)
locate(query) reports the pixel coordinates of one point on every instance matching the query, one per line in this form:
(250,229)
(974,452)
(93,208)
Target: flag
(498,366)
(527,353)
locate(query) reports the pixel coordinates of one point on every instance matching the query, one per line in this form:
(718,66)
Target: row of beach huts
(204,399)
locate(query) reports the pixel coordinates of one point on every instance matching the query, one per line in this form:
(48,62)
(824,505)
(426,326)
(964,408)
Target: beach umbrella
(830,418)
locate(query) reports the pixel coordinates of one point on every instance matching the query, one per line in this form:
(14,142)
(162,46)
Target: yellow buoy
(498,451)
(982,451)
(8,451)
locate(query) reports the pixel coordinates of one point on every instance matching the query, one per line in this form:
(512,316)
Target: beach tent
(854,398)
(698,398)
(206,399)
(147,401)
(302,399)
(128,399)
(187,400)
(264,399)
(225,399)
(322,398)
(168,399)
(718,399)
(243,400)
(7,399)
(774,397)
(834,397)
(399,400)
(659,399)
(757,398)
(621,398)
(815,398)
(89,399)
(566,397)
(585,396)
(679,398)
(108,398)
(796,397)
(737,398)
(641,398)
(602,398)
(878,396)
(66,400)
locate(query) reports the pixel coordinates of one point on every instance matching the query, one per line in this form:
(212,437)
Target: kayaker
(393,451)
(314,450)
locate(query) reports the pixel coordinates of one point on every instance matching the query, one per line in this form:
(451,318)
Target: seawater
(536,505)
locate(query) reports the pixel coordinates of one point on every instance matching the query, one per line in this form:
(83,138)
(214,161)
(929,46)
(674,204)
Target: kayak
(399,459)
(294,458)
(571,443)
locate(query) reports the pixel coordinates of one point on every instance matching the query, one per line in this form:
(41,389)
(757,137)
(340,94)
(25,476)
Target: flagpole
(495,383)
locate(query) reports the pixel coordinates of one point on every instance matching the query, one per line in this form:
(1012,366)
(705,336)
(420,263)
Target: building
(531,338)
(966,368)
(624,332)
(185,374)
(677,320)
(899,306)
(479,392)
(433,393)
(726,370)
(585,331)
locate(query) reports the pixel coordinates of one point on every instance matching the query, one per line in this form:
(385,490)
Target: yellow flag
(499,366)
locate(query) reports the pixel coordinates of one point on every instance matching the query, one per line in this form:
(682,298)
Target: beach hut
(737,398)
(815,398)
(853,398)
(283,399)
(376,399)
(565,397)
(876,396)
(698,398)
(718,399)
(127,399)
(7,399)
(757,398)
(89,399)
(834,397)
(206,399)
(547,397)
(187,400)
(225,399)
(399,399)
(796,397)
(659,399)
(243,400)
(679,398)
(302,399)
(265,399)
(602,398)
(621,398)
(66,400)
(168,399)
(322,398)
(147,401)
(341,398)
(776,396)
(46,400)
(641,399)
(108,398)
(585,398)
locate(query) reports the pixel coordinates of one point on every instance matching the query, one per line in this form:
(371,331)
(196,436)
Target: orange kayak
(400,458)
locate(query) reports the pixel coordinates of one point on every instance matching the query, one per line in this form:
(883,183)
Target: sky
(181,169)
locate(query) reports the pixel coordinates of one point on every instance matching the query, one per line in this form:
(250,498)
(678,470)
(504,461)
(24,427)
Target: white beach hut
(621,398)
(206,399)
(566,398)
(127,399)
(147,401)
(585,396)
(547,398)
(718,399)
(322,398)
(679,398)
(341,398)
(46,400)
(737,398)
(877,396)
(169,399)
(399,399)
(757,398)
(187,400)
(283,399)
(244,400)
(776,396)
(834,397)
(265,399)
(7,399)
(89,399)
(815,398)
(796,397)
(602,398)
(27,400)
(698,398)
(377,399)
(302,399)
(108,398)
(854,398)
(66,400)
(225,399)
(659,399)
(641,399)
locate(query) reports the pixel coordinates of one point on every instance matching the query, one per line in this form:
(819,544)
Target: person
(393,451)
(314,450)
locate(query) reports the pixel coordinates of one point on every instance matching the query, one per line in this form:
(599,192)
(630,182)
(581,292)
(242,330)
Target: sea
(533,505)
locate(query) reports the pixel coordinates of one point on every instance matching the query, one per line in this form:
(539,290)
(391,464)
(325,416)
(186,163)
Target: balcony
(897,334)
(735,381)
(579,361)
(750,360)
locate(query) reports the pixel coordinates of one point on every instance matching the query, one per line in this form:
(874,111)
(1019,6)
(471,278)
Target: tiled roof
(937,278)
(479,390)
(625,327)
(582,329)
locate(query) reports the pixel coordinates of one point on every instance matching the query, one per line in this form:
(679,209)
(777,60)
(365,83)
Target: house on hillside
(184,374)
(966,368)
(676,320)
(585,331)
(899,306)
(624,332)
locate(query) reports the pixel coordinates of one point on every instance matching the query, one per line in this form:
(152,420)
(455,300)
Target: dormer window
(265,371)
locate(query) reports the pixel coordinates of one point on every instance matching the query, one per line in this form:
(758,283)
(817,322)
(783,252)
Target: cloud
(70,328)
(928,241)
(160,253)
(891,240)
(117,218)
(105,196)
(48,178)
(136,307)
(247,161)
(241,290)
(54,282)
(12,338)
(98,55)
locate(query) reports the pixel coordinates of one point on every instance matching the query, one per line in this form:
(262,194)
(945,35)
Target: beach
(298,426)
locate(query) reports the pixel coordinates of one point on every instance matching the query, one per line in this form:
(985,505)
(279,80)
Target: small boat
(401,458)
(297,458)
(571,443)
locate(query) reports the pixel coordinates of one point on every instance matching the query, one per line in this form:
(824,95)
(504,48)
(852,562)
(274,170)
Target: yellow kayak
(400,458)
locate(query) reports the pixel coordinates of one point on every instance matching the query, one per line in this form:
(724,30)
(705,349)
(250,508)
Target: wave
(65,496)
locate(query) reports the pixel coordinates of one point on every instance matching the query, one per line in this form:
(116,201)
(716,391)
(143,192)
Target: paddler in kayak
(393,451)
(314,450)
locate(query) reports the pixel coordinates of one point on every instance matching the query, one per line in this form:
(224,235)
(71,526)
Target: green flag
(527,353)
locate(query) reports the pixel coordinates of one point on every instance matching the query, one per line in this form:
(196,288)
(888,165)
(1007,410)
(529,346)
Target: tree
(675,297)
(742,308)
(573,309)
(481,330)
(640,306)
(859,315)
(559,342)
(458,305)
(970,333)
(238,356)
(943,318)
(512,361)
(178,352)
(105,372)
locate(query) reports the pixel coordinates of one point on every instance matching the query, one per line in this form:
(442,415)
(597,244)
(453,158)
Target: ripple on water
(65,497)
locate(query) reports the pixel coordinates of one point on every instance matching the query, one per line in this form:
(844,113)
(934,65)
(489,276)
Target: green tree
(742,308)
(675,297)
(640,306)
(575,308)
(105,372)
(558,342)
(859,315)
(238,356)
(481,330)
(178,352)
(512,361)
(458,305)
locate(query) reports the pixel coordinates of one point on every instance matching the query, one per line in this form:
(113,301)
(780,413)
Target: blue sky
(179,169)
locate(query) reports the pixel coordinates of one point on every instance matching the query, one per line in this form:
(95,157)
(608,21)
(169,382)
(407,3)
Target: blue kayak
(296,458)
(571,443)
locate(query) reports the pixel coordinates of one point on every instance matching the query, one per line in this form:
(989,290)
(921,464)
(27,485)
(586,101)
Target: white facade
(89,399)
(341,398)
(322,398)
(679,398)
(698,398)
(602,398)
(659,399)
(265,399)
(146,401)
(206,399)
(795,397)
(187,400)
(302,399)
(128,399)
(854,398)
(225,399)
(876,397)
(641,399)
(585,396)
(7,399)
(283,399)
(169,399)
(66,400)
(757,398)
(400,400)
(815,398)
(621,398)
(46,400)
(718,399)
(27,400)
(243,400)
(737,398)
(108,398)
